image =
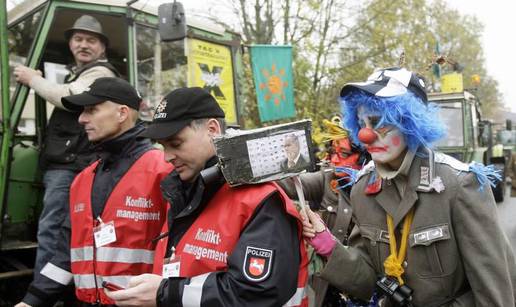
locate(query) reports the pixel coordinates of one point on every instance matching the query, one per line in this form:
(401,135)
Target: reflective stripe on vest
(192,292)
(112,254)
(87,281)
(297,298)
(56,274)
(137,194)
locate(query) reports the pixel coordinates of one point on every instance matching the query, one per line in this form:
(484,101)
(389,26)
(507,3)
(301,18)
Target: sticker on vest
(257,263)
(104,234)
(79,207)
(171,267)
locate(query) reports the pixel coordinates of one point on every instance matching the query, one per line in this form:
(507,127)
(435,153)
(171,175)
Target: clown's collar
(387,173)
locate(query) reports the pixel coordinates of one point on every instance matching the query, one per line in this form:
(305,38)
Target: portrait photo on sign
(286,152)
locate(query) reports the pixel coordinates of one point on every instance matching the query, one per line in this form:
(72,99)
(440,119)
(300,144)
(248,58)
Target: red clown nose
(367,135)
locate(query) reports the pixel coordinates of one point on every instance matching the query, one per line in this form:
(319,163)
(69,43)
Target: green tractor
(154,52)
(506,137)
(469,138)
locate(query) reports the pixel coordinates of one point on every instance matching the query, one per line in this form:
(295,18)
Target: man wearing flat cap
(116,206)
(66,149)
(427,231)
(224,246)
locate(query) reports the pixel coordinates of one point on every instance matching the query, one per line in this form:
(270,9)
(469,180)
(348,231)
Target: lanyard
(393,263)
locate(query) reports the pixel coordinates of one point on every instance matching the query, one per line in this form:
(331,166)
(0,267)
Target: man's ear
(213,126)
(123,113)
(103,52)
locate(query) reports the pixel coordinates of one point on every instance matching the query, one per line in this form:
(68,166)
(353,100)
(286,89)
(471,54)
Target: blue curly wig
(419,123)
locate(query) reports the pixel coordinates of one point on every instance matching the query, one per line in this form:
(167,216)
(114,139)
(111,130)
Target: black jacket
(270,225)
(116,157)
(66,144)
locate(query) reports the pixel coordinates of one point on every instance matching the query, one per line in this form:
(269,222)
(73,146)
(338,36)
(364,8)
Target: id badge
(104,234)
(171,267)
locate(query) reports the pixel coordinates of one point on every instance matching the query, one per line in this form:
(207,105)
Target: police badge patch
(257,263)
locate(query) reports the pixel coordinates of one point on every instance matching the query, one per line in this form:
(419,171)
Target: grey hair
(293,138)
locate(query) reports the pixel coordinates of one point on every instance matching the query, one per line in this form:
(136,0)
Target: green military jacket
(457,253)
(336,213)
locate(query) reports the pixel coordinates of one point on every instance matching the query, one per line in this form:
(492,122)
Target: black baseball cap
(390,82)
(178,108)
(103,89)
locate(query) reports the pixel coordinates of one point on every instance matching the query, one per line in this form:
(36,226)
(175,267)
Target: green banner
(272,70)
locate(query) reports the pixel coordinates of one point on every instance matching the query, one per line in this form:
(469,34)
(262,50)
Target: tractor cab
(469,138)
(195,53)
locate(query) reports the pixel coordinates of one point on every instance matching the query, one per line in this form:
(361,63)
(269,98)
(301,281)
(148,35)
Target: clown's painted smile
(372,149)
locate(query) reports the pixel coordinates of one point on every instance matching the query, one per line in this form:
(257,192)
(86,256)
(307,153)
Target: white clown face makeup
(387,144)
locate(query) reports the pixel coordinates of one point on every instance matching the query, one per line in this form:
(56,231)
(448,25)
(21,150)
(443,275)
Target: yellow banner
(210,67)
(452,83)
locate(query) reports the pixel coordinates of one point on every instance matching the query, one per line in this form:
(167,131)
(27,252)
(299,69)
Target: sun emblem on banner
(274,85)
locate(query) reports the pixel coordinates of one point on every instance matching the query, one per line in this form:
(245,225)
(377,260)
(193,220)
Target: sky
(498,41)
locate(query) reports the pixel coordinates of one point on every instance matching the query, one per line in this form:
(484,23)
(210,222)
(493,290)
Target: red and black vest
(138,211)
(210,240)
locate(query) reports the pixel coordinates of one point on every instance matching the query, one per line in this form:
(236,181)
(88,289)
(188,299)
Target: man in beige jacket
(66,149)
(427,231)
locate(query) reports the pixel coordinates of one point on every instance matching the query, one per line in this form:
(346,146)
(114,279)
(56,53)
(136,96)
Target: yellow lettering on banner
(210,67)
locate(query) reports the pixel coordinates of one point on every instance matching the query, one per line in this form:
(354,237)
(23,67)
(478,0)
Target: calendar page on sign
(278,153)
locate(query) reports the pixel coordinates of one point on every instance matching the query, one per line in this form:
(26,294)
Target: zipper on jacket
(96,223)
(160,236)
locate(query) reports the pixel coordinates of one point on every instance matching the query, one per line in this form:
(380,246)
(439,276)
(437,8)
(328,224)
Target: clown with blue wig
(427,231)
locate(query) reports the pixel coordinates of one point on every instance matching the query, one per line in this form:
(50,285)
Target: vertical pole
(300,194)
(6,132)
(4,54)
(132,54)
